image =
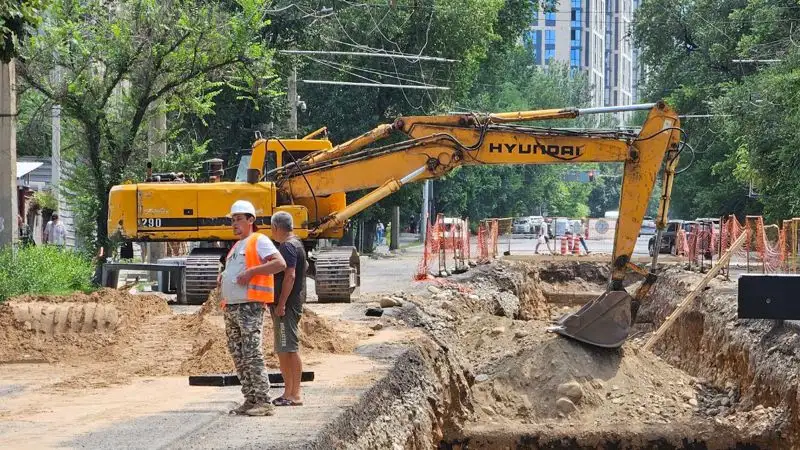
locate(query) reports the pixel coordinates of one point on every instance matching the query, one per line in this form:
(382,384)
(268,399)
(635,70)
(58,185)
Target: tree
(690,50)
(122,62)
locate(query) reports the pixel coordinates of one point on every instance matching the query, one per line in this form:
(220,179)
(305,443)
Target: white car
(522,225)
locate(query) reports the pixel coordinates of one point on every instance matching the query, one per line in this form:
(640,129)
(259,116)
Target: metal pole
(293,102)
(55,147)
(394,244)
(792,243)
(747,245)
(424,213)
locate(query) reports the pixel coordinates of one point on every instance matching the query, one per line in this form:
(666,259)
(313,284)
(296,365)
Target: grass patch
(43,270)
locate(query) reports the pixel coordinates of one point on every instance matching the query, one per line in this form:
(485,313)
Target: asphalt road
(528,245)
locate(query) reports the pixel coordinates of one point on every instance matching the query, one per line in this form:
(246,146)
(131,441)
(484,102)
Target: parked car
(648,226)
(521,225)
(669,236)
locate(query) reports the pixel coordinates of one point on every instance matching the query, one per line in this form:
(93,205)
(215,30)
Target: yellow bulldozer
(310,177)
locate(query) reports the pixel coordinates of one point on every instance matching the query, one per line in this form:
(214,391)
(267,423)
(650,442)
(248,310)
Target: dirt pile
(70,327)
(112,336)
(542,377)
(209,353)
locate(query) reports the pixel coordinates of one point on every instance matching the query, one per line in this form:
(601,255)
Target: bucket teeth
(604,322)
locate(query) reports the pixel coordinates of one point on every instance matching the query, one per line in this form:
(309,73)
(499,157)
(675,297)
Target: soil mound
(113,336)
(210,354)
(66,327)
(603,384)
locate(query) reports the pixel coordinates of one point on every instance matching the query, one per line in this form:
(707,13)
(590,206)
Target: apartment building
(590,35)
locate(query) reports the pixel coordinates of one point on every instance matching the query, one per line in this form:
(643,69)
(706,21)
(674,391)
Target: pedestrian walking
(379,229)
(55,233)
(290,289)
(544,238)
(247,287)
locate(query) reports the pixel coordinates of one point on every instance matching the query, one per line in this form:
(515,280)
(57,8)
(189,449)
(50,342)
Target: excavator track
(337,274)
(202,269)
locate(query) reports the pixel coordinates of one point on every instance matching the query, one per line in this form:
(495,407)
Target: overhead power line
(756,61)
(380,55)
(380,85)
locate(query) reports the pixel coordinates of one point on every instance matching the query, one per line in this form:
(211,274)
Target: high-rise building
(590,35)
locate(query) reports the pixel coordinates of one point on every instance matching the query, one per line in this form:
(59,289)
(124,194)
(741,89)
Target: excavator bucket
(604,322)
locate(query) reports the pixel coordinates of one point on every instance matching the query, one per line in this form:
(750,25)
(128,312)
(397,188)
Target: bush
(43,270)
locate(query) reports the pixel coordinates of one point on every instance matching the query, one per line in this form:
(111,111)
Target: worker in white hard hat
(247,290)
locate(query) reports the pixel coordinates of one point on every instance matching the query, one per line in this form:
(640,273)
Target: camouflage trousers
(244,326)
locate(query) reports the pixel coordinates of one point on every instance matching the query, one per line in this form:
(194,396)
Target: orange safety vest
(260,288)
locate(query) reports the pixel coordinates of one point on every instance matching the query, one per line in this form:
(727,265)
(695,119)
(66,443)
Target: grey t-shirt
(295,256)
(232,291)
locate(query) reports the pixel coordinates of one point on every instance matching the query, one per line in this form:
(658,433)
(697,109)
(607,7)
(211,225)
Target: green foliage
(690,49)
(43,270)
(45,200)
(188,160)
(130,63)
(34,123)
(18,19)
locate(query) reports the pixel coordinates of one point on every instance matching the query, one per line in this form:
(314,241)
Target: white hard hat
(242,207)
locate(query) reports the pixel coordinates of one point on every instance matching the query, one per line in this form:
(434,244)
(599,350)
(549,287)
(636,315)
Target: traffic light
(591,176)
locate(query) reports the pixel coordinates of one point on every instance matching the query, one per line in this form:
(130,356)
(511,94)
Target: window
(575,57)
(241,171)
(532,41)
(549,55)
(550,19)
(271,162)
(290,157)
(535,18)
(575,38)
(550,37)
(577,3)
(672,227)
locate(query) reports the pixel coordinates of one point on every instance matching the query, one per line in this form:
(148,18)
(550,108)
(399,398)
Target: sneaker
(261,409)
(242,409)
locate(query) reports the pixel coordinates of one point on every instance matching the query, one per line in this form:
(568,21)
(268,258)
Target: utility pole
(156,136)
(394,242)
(8,155)
(55,146)
(293,101)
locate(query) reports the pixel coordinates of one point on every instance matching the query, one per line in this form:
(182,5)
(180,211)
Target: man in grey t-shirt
(290,294)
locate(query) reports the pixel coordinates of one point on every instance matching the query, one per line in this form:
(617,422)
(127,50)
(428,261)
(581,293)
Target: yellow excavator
(309,178)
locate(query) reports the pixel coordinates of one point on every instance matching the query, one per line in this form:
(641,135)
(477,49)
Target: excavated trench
(490,376)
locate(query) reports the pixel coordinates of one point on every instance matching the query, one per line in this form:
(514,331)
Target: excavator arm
(435,145)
